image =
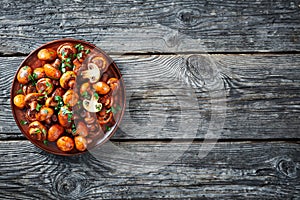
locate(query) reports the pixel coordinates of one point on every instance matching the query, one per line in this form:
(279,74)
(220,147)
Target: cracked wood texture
(176,93)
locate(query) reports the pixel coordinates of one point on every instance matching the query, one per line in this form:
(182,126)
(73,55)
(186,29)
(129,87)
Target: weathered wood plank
(257,96)
(230,171)
(151,26)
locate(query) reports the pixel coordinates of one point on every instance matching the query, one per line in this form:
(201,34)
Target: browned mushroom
(52,72)
(47,54)
(50,102)
(80,143)
(37,130)
(65,143)
(31,115)
(67,80)
(70,98)
(31,100)
(113,83)
(44,85)
(29,88)
(65,117)
(66,50)
(81,129)
(39,73)
(54,132)
(44,113)
(101,87)
(100,61)
(24,74)
(58,92)
(85,87)
(77,65)
(19,101)
(106,118)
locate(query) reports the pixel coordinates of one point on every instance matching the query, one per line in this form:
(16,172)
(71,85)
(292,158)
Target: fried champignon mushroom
(81,129)
(37,130)
(101,87)
(31,115)
(19,101)
(113,83)
(66,50)
(31,100)
(58,92)
(92,105)
(93,73)
(80,143)
(54,132)
(105,118)
(85,87)
(44,85)
(100,61)
(52,72)
(27,89)
(47,54)
(67,80)
(39,73)
(65,117)
(65,143)
(77,64)
(45,113)
(50,102)
(70,98)
(23,74)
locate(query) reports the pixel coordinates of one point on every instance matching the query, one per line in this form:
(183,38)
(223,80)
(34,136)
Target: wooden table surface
(213,100)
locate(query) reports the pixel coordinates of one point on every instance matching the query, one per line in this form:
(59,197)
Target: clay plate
(19,114)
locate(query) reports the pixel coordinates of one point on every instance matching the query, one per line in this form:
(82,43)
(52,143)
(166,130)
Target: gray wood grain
(152,26)
(257,96)
(230,171)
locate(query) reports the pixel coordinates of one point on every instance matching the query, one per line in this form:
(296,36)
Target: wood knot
(287,167)
(188,17)
(201,71)
(69,185)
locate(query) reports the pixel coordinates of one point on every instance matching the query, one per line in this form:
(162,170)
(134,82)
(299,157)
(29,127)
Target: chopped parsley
(73,129)
(87,51)
(25,67)
(96,95)
(45,142)
(79,47)
(38,107)
(86,95)
(44,131)
(32,79)
(60,102)
(23,122)
(67,112)
(20,91)
(108,128)
(37,131)
(108,111)
(48,84)
(64,54)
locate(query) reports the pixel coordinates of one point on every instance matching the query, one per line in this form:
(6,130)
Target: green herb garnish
(96,95)
(37,131)
(38,107)
(79,55)
(108,128)
(20,91)
(79,47)
(86,95)
(23,122)
(48,84)
(44,131)
(45,142)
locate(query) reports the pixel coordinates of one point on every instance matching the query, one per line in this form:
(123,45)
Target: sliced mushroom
(92,105)
(29,88)
(70,98)
(93,73)
(23,74)
(37,130)
(58,92)
(44,85)
(66,78)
